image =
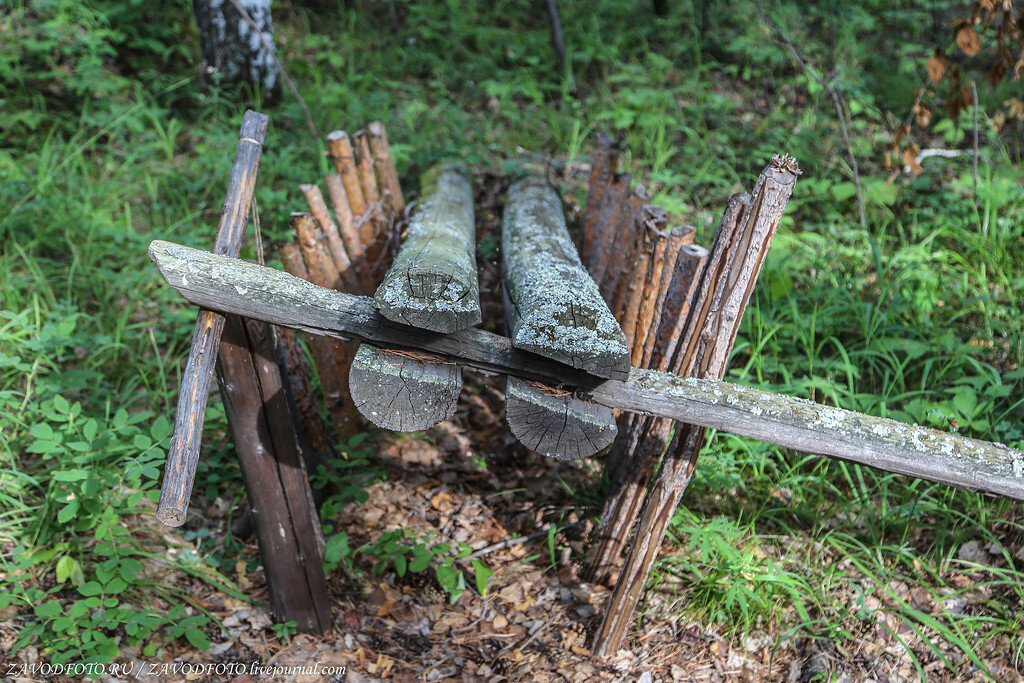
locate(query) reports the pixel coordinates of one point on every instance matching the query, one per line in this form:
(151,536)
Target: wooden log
(286,520)
(610,218)
(233,286)
(183,454)
(675,310)
(557,309)
(556,423)
(433,282)
(404,391)
(322,215)
(650,249)
(349,233)
(391,189)
(726,288)
(602,168)
(626,245)
(332,356)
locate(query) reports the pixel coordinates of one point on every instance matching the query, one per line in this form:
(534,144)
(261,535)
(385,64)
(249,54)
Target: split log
(282,505)
(678,245)
(610,218)
(253,291)
(322,215)
(726,286)
(557,310)
(391,189)
(556,423)
(183,454)
(376,252)
(340,148)
(432,283)
(350,236)
(403,391)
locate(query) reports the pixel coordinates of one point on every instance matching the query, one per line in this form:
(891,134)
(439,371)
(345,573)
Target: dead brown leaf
(968,41)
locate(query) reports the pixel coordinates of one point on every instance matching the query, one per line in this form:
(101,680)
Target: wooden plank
(286,520)
(183,454)
(233,286)
(555,422)
(433,282)
(557,310)
(403,391)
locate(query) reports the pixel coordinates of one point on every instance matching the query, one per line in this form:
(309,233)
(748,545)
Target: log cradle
(621,343)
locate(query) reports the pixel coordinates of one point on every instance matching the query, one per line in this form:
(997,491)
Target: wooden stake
(707,356)
(602,167)
(377,252)
(349,233)
(322,216)
(607,223)
(332,356)
(183,454)
(340,147)
(675,241)
(286,520)
(391,189)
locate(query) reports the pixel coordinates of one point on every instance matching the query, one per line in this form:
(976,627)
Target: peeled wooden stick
(376,252)
(404,391)
(340,148)
(322,216)
(183,454)
(332,356)
(390,188)
(432,283)
(349,233)
(554,422)
(557,309)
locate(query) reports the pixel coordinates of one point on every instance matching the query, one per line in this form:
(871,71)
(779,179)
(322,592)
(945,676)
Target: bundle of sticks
(680,306)
(345,246)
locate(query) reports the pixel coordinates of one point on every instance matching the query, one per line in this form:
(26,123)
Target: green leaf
(115,586)
(42,431)
(483,575)
(161,429)
(70,475)
(142,442)
(90,588)
(67,513)
(65,567)
(197,638)
(48,610)
(420,561)
(61,405)
(90,430)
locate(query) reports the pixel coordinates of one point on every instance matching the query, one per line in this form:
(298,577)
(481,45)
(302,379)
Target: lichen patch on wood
(432,283)
(557,310)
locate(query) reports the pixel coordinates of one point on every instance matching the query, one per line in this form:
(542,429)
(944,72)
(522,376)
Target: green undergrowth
(110,141)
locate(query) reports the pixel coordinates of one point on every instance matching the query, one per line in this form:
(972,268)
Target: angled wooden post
(183,455)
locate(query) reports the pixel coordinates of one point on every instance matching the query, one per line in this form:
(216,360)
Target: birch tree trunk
(232,47)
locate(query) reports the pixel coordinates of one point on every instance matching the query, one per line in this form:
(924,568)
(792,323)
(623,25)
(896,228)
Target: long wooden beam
(232,286)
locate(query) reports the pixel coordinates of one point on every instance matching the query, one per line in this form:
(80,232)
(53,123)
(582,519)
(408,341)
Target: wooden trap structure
(622,342)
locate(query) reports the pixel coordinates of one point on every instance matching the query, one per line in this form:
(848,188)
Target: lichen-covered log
(432,283)
(557,310)
(403,391)
(556,423)
(232,286)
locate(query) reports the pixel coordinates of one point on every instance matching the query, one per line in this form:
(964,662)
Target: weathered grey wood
(433,281)
(557,310)
(183,454)
(403,391)
(233,286)
(554,422)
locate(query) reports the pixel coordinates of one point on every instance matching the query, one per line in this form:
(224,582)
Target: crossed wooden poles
(681,324)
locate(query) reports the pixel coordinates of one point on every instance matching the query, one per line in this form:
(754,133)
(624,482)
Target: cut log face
(555,423)
(557,310)
(432,283)
(403,391)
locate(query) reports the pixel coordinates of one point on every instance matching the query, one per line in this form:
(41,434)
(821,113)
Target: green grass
(109,142)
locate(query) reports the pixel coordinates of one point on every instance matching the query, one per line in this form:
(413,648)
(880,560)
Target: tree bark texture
(232,47)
